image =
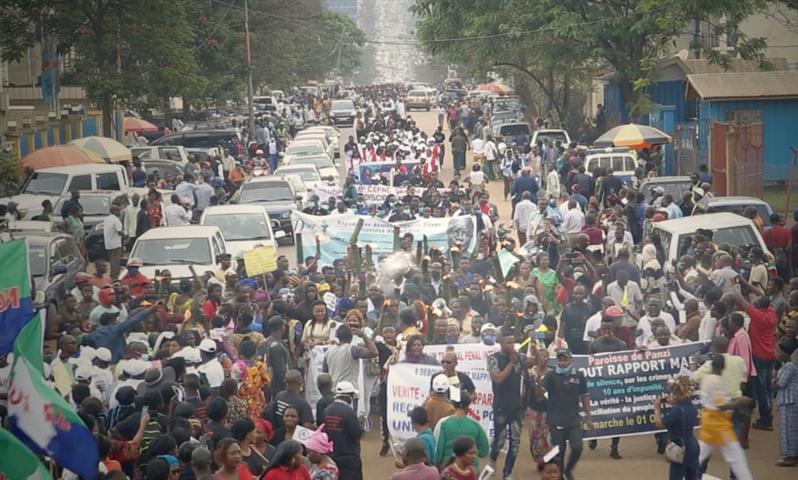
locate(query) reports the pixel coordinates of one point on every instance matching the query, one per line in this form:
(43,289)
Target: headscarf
(266,427)
(649,256)
(354,313)
(319,442)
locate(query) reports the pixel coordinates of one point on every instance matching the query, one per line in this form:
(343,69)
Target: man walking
(505,368)
(345,432)
(566,388)
(112,236)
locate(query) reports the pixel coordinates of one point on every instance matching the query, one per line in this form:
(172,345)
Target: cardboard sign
(260,260)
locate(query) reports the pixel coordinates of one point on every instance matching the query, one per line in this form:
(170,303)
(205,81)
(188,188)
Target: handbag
(674,452)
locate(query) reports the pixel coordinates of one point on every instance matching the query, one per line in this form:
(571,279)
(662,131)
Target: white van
(178,248)
(55,182)
(730,228)
(243,226)
(622,160)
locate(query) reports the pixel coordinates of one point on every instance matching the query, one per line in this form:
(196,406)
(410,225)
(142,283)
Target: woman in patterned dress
(322,467)
(254,379)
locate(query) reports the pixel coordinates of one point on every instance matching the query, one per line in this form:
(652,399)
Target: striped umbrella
(59,156)
(133,124)
(108,148)
(633,136)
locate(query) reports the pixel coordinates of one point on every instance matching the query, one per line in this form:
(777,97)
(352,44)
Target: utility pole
(250,89)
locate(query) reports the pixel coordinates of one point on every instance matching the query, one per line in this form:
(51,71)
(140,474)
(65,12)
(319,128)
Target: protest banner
(376,168)
(409,384)
(260,260)
(335,231)
(372,194)
(623,386)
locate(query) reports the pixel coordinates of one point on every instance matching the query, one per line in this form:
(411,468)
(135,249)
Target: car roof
(232,209)
(550,130)
(301,142)
(706,220)
(311,155)
(731,201)
(299,166)
(343,100)
(79,169)
(183,231)
(268,179)
(36,237)
(671,179)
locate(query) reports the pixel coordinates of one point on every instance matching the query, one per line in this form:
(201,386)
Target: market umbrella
(495,88)
(108,148)
(633,136)
(59,156)
(133,124)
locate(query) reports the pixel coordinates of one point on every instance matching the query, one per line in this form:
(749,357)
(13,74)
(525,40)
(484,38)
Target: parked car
(55,182)
(322,162)
(277,196)
(622,160)
(342,111)
(554,135)
(54,259)
(175,153)
(178,248)
(419,99)
(308,173)
(676,235)
(307,147)
(734,205)
(509,116)
(511,130)
(316,136)
(96,206)
(202,143)
(243,227)
(331,133)
(454,86)
(265,103)
(675,185)
(162,167)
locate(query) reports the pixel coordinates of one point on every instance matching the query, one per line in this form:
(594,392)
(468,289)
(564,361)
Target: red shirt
(777,237)
(283,473)
(135,283)
(596,235)
(209,309)
(762,332)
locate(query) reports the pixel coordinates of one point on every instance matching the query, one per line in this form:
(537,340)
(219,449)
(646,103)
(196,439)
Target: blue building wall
(779,126)
(662,93)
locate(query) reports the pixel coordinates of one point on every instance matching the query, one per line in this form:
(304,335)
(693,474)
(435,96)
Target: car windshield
(738,236)
(207,139)
(553,137)
(514,130)
(254,192)
(304,149)
(240,226)
(343,105)
(418,94)
(173,251)
(37,257)
(762,210)
(319,162)
(45,183)
(91,205)
(674,188)
(305,174)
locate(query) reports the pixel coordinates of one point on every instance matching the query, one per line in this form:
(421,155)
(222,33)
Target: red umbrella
(59,156)
(133,124)
(497,88)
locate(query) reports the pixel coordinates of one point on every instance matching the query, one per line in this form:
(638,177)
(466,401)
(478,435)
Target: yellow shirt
(733,374)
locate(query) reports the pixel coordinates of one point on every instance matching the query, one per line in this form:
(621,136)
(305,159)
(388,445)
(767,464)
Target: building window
(744,116)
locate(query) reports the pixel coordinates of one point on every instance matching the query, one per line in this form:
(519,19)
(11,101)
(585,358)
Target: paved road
(640,459)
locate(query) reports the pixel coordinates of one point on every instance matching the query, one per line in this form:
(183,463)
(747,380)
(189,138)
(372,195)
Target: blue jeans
(763,387)
(689,469)
(512,424)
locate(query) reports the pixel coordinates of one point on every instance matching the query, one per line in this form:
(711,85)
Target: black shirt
(565,392)
(574,316)
(322,405)
(507,395)
(274,411)
(604,344)
(343,429)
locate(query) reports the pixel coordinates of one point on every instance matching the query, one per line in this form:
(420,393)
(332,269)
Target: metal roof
(744,85)
(695,66)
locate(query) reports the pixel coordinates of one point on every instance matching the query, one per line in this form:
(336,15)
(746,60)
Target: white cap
(103,354)
(486,327)
(440,383)
(83,373)
(207,346)
(345,388)
(190,354)
(135,367)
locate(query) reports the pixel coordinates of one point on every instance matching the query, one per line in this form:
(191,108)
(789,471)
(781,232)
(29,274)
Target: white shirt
(112,232)
(213,372)
(490,150)
(477,177)
(131,220)
(645,326)
(591,325)
(574,221)
(553,184)
(706,331)
(176,215)
(523,213)
(477,146)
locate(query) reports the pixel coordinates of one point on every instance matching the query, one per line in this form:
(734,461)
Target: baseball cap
(440,383)
(345,388)
(108,316)
(83,373)
(564,352)
(614,311)
(486,327)
(135,367)
(134,262)
(208,346)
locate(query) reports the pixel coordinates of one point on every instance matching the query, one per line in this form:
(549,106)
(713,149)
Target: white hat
(135,367)
(207,346)
(345,388)
(103,354)
(190,354)
(440,383)
(259,152)
(486,327)
(83,373)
